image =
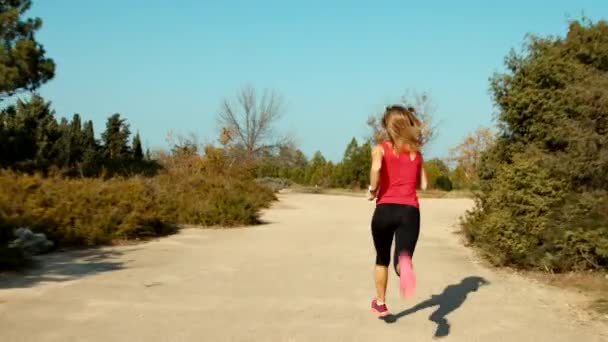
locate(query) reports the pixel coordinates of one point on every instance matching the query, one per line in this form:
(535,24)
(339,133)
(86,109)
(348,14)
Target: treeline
(290,163)
(32,139)
(352,172)
(248,134)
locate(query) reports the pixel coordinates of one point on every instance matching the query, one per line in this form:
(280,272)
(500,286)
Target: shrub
(511,218)
(435,168)
(80,211)
(577,238)
(210,191)
(542,200)
(209,200)
(443,183)
(95,211)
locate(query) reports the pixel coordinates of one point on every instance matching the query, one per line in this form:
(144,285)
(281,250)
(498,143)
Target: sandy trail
(303,276)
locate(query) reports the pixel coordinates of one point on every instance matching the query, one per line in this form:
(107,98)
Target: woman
(396,172)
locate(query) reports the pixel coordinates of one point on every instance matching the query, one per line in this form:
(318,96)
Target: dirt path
(304,276)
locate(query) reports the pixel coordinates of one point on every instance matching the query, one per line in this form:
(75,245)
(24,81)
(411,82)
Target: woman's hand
(371,195)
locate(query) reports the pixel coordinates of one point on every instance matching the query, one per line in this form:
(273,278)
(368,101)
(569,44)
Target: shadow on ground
(61,267)
(446,302)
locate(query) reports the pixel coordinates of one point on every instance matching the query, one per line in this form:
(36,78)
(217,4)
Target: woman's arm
(374,173)
(422,182)
(423,179)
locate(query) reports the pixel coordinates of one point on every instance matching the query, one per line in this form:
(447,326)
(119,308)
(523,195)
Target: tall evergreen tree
(138,152)
(62,146)
(15,143)
(349,168)
(36,119)
(116,138)
(316,172)
(76,139)
(91,150)
(88,135)
(76,124)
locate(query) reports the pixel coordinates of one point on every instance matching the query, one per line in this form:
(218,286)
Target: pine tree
(91,150)
(116,138)
(15,142)
(315,170)
(88,135)
(36,120)
(23,65)
(138,152)
(349,168)
(62,146)
(76,140)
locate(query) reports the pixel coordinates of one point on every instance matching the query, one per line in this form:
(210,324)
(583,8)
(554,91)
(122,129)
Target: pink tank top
(398,177)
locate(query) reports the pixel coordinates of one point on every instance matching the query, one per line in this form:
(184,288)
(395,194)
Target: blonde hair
(403,128)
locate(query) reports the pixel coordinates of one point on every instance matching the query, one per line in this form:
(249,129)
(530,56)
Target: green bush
(88,212)
(210,191)
(208,200)
(577,238)
(511,218)
(435,169)
(443,183)
(81,211)
(542,201)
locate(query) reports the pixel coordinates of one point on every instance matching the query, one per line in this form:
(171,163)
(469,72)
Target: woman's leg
(381,281)
(406,238)
(407,233)
(382,234)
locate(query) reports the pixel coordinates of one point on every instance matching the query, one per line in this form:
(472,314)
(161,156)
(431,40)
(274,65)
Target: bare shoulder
(377,150)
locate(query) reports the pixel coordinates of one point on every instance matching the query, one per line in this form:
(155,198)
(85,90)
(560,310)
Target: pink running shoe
(407,279)
(380,310)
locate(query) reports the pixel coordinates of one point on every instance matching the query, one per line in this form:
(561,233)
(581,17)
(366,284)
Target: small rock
(31,243)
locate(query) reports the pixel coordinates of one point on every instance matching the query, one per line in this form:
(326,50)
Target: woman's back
(399,177)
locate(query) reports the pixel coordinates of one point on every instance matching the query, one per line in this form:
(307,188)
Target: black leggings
(402,221)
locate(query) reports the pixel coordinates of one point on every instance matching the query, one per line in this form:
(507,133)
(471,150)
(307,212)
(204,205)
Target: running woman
(395,174)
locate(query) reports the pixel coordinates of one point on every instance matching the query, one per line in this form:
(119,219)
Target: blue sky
(166,65)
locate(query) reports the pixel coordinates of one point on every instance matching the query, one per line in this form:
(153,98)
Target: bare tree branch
(250,119)
(229,120)
(425,109)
